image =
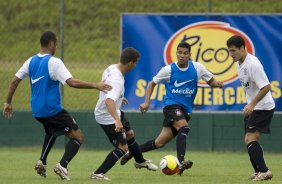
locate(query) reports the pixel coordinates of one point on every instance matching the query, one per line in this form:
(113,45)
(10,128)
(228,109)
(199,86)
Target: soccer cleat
(125,158)
(253,176)
(99,176)
(184,165)
(61,171)
(147,164)
(40,168)
(263,176)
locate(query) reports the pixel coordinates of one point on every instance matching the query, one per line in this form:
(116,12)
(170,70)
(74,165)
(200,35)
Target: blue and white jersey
(45,73)
(181,83)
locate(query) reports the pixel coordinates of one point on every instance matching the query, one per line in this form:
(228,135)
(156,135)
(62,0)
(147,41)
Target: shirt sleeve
(202,72)
(23,72)
(258,75)
(163,74)
(58,71)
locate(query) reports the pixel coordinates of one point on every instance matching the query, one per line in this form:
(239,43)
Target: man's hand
(215,83)
(7,110)
(118,125)
(144,107)
(248,109)
(124,101)
(219,84)
(101,86)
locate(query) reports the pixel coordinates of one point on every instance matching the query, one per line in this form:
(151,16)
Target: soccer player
(46,72)
(181,79)
(112,119)
(260,105)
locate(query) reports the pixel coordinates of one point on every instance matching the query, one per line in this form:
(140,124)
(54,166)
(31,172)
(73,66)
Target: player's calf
(126,157)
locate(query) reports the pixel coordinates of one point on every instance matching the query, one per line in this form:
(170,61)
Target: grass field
(209,167)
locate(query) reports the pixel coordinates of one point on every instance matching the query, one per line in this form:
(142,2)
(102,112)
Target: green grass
(209,168)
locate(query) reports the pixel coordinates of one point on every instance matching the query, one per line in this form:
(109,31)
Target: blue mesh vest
(182,87)
(45,93)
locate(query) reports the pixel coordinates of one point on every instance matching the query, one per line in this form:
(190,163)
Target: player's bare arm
(248,109)
(111,106)
(102,86)
(76,83)
(214,83)
(150,88)
(8,109)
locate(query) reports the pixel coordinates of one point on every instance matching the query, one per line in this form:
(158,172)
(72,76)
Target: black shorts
(259,120)
(117,138)
(59,124)
(173,113)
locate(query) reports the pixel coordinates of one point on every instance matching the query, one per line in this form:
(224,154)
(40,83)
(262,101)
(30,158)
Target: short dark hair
(236,41)
(47,37)
(184,45)
(129,54)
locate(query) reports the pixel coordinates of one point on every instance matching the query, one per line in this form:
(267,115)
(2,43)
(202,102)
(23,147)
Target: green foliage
(91,34)
(209,168)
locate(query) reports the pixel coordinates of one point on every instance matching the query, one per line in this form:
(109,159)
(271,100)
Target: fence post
(62,14)
(209,6)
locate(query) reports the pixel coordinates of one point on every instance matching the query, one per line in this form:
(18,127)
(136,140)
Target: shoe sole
(99,178)
(189,166)
(140,167)
(40,170)
(59,173)
(186,168)
(265,179)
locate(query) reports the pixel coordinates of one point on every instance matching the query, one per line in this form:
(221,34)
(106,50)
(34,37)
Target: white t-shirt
(56,67)
(253,78)
(113,77)
(165,72)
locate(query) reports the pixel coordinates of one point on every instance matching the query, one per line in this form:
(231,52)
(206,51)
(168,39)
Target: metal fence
(87,44)
(89,40)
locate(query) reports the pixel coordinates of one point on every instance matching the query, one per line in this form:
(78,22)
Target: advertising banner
(157,36)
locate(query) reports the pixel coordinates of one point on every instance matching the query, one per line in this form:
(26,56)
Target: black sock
(181,142)
(148,146)
(256,153)
(110,161)
(49,141)
(70,151)
(135,150)
(253,163)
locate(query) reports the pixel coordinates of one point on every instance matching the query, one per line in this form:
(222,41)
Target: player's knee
(184,130)
(129,134)
(123,147)
(246,140)
(80,137)
(125,150)
(159,144)
(250,137)
(76,134)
